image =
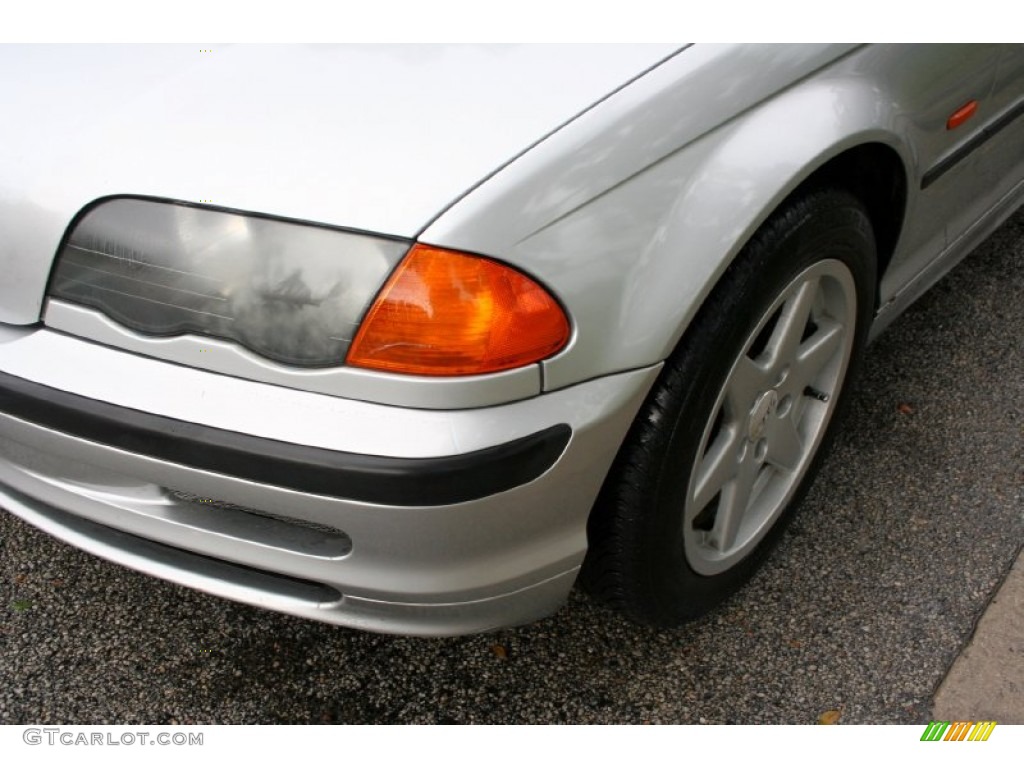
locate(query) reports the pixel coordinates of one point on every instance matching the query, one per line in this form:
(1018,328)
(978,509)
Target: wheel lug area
(784,406)
(782,375)
(764,407)
(761,451)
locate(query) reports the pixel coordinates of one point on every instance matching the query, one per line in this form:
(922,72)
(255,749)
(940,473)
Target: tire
(734,429)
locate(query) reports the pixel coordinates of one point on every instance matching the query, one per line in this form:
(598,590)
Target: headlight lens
(292,292)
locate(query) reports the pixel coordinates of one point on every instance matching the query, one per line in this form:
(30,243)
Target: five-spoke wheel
(770,416)
(732,432)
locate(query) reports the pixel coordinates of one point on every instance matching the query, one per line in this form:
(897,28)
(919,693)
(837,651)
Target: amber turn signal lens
(444,313)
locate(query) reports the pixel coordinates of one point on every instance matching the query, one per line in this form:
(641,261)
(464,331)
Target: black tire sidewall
(827,224)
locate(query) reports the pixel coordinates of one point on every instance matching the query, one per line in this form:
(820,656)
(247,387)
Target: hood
(368,137)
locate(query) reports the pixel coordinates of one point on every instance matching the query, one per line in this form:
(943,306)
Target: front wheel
(734,429)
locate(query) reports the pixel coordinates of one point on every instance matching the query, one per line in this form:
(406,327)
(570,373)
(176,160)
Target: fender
(634,257)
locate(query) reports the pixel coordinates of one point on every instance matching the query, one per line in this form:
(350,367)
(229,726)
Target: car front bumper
(369,516)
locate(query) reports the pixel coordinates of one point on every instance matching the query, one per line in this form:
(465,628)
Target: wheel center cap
(764,407)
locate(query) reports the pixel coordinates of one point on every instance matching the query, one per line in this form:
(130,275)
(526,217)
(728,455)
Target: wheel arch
(869,162)
(635,562)
(692,247)
(633,254)
(875,174)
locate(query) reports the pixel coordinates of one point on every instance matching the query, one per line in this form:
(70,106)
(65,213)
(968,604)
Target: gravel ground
(872,592)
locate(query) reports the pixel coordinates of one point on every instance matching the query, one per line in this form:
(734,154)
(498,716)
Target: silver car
(415,339)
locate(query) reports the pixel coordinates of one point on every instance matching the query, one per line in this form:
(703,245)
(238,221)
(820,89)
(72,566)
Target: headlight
(297,293)
(292,292)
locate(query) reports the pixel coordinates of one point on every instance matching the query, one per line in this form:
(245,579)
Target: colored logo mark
(959,730)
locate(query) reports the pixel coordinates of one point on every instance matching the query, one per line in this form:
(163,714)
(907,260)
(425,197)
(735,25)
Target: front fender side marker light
(444,313)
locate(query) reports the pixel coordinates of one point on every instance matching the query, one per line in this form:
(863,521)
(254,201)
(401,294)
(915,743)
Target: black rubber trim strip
(946,164)
(358,477)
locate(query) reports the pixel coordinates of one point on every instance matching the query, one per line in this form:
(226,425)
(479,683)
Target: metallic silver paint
(629,213)
(379,138)
(652,222)
(459,568)
(353,383)
(238,405)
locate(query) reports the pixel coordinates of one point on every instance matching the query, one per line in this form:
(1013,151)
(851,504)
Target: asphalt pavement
(870,598)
